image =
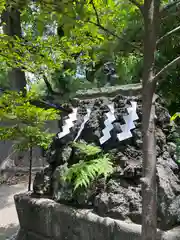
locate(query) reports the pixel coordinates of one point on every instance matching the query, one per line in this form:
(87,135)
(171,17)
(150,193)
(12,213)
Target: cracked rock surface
(120,196)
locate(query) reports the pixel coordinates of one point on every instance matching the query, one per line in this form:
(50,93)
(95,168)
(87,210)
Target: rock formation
(120,196)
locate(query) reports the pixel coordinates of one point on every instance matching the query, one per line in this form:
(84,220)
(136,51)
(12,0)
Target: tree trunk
(149,215)
(30,168)
(12,27)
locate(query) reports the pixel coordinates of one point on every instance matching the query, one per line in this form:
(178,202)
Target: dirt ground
(8,217)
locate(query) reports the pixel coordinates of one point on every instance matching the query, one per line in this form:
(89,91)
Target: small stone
(61,190)
(66,153)
(118,171)
(42,182)
(171,148)
(166,155)
(139,143)
(158,151)
(160,137)
(168,187)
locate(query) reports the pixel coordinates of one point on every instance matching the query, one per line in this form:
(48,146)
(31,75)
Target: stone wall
(44,219)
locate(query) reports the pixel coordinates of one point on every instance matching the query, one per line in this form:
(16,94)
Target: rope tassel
(108,125)
(69,123)
(129,122)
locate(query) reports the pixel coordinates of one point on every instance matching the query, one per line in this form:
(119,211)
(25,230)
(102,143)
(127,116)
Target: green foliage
(39,87)
(4,83)
(178,150)
(82,34)
(85,171)
(168,49)
(175,116)
(66,82)
(177,138)
(98,32)
(24,122)
(88,150)
(2,5)
(129,68)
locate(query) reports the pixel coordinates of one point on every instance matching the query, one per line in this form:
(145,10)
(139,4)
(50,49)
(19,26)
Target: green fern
(83,173)
(87,150)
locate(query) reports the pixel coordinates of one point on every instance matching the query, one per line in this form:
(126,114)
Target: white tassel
(86,118)
(108,124)
(129,122)
(69,123)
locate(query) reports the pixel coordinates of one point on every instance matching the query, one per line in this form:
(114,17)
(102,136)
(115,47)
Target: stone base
(44,219)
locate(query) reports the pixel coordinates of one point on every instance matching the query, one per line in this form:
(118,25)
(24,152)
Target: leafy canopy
(84,25)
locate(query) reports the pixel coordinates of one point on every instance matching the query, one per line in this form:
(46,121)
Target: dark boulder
(120,196)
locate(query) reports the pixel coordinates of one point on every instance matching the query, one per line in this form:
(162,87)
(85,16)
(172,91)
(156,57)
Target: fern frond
(88,150)
(83,173)
(105,165)
(175,116)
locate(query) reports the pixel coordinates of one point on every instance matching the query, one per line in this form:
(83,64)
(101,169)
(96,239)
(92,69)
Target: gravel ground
(9,224)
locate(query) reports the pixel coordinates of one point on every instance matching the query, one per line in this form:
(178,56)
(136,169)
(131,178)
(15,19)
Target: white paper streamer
(86,118)
(129,122)
(69,123)
(108,124)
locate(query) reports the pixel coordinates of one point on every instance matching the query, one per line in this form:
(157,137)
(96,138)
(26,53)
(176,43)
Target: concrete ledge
(111,91)
(45,219)
(20,169)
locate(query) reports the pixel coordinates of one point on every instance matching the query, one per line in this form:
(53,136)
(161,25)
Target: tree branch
(165,68)
(168,34)
(169,6)
(113,34)
(98,24)
(49,87)
(96,13)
